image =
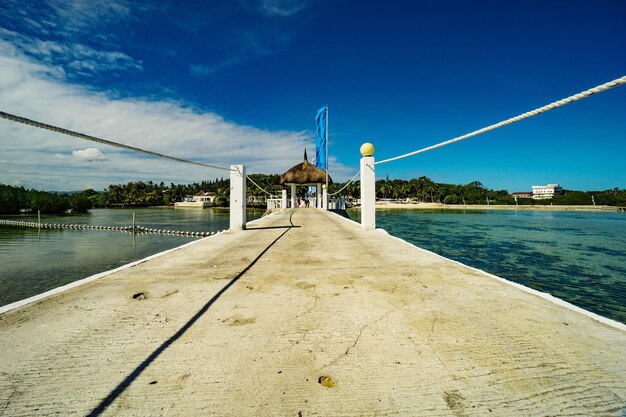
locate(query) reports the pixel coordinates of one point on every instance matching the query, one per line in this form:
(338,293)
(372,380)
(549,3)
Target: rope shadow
(291,225)
(122,386)
(272,227)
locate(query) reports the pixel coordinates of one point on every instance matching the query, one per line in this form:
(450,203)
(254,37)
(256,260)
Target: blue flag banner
(320,139)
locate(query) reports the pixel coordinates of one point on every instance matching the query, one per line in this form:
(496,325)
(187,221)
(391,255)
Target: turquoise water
(577,256)
(33,261)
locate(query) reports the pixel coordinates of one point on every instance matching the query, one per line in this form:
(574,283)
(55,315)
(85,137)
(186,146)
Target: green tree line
(140,193)
(132,194)
(423,189)
(14,199)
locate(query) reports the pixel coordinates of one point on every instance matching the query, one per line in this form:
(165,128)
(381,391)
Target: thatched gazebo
(305,174)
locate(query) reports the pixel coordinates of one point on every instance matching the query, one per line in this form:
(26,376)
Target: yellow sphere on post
(367,149)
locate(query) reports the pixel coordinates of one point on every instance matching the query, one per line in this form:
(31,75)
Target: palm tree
(431,189)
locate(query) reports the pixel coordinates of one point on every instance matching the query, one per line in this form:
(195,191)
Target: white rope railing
(259,187)
(253,182)
(345,186)
(599,89)
(63,131)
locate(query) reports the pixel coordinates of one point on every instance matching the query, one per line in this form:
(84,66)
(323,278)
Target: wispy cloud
(84,15)
(200,70)
(75,58)
(283,8)
(76,36)
(244,46)
(35,157)
(70,18)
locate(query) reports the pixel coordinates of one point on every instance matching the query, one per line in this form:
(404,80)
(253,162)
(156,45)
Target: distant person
(306,203)
(299,202)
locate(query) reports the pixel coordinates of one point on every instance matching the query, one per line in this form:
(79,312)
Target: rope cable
(345,186)
(260,188)
(63,131)
(584,94)
(257,185)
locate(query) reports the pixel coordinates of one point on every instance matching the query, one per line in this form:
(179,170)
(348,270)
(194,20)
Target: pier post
(318,195)
(368,187)
(293,195)
(324,197)
(237,197)
(283,199)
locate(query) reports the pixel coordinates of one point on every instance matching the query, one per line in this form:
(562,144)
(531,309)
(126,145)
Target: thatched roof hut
(304,173)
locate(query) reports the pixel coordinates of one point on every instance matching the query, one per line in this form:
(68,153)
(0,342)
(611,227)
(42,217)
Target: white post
(368,187)
(133,222)
(324,197)
(39,217)
(283,201)
(237,197)
(318,195)
(293,195)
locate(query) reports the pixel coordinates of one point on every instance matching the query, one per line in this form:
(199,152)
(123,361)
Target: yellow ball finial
(367,149)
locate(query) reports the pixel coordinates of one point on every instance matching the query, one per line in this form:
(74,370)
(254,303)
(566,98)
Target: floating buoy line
(136,229)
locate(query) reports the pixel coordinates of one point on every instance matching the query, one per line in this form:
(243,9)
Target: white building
(204,197)
(542,192)
(201,199)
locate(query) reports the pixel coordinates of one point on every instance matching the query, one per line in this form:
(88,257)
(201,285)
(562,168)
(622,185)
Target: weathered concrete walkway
(398,330)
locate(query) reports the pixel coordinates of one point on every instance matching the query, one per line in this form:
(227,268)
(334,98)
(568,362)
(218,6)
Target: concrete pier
(305,313)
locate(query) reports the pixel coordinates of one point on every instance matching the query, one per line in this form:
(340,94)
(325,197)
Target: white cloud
(89,154)
(27,89)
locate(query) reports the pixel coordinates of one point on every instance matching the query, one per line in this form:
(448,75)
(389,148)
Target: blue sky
(239,81)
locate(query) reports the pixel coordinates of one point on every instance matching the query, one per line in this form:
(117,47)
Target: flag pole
(327,164)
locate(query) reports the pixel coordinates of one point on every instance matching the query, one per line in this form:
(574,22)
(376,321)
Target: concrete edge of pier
(58,290)
(546,296)
(91,278)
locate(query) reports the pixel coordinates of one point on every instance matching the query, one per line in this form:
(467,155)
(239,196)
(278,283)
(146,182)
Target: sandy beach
(430,206)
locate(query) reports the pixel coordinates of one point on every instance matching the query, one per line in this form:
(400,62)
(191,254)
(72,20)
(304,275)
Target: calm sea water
(577,256)
(33,261)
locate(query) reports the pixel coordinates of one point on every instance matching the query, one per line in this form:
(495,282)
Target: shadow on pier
(118,390)
(272,227)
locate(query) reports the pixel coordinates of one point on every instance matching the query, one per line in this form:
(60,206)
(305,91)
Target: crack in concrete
(351,283)
(305,331)
(8,402)
(434,351)
(356,340)
(310,310)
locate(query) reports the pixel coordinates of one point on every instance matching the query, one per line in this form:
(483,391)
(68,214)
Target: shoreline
(431,206)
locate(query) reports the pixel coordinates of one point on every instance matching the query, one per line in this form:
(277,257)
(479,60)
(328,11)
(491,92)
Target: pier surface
(319,318)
